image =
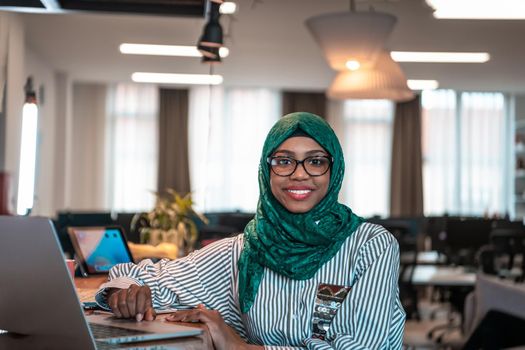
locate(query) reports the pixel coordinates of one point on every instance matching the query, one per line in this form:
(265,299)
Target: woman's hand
(134,302)
(223,336)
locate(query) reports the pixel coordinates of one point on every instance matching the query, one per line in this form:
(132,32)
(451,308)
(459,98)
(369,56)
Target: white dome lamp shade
(351,36)
(385,80)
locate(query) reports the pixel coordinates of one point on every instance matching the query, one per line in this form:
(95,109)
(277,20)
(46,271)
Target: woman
(306,273)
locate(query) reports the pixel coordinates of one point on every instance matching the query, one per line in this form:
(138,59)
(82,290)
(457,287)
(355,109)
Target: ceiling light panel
(420,84)
(478,9)
(228,8)
(172,78)
(440,57)
(165,50)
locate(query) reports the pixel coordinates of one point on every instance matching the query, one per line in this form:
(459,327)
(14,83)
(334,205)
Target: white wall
(15,96)
(55,161)
(44,85)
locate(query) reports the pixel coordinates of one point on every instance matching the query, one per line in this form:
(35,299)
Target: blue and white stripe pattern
(371,317)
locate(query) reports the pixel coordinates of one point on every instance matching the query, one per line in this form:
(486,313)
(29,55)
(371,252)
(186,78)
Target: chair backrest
(511,241)
(508,243)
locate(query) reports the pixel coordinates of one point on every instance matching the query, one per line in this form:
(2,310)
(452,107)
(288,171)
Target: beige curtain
(406,182)
(296,101)
(4,192)
(173,141)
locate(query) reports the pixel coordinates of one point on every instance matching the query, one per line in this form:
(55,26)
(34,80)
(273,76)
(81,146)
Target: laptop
(40,308)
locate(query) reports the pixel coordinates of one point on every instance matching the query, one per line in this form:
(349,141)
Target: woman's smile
(299,192)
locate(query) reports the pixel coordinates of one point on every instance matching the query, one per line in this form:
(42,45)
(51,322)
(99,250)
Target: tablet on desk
(98,249)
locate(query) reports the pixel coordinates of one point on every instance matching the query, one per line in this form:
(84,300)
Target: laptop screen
(100,248)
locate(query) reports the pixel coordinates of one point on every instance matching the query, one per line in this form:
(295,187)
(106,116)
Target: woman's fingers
(150,313)
(134,302)
(123,303)
(113,303)
(144,306)
(184,316)
(131,300)
(195,315)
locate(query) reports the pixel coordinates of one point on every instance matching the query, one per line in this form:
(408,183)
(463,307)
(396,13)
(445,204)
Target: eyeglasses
(286,166)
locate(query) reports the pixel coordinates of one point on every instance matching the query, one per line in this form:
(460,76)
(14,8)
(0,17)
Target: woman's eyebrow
(287,152)
(317,151)
(292,153)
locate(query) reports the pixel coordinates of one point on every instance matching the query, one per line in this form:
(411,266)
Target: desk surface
(446,276)
(423,258)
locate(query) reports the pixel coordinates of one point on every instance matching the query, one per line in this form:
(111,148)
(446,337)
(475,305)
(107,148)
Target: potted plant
(169,226)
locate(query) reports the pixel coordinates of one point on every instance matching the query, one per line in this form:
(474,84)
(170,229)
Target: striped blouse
(371,316)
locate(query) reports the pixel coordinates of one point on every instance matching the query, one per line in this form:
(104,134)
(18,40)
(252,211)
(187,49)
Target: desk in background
(423,258)
(443,276)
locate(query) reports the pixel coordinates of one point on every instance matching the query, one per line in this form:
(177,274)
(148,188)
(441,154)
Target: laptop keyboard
(104,331)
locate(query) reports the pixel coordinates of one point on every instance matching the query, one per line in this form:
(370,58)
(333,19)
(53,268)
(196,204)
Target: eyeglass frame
(301,162)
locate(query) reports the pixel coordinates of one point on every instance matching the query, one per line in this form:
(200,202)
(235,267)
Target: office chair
(461,238)
(499,257)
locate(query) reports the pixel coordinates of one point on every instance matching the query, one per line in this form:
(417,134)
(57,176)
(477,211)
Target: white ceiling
(270,45)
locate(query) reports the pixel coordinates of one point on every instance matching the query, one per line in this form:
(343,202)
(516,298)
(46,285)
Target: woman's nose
(300,172)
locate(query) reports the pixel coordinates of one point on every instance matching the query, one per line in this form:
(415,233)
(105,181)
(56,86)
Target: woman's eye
(317,161)
(283,161)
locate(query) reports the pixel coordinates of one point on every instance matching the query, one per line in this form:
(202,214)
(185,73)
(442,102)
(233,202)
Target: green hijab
(294,245)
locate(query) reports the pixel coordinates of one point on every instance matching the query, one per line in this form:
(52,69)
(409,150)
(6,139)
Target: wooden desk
(88,286)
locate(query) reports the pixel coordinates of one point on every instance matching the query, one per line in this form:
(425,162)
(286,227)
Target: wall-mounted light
(26,173)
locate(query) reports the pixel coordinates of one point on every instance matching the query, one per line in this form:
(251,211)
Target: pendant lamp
(351,36)
(385,80)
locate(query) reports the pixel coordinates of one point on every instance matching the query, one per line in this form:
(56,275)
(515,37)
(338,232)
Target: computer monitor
(464,237)
(66,219)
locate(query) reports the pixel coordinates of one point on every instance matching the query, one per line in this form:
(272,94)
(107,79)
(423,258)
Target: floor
(432,314)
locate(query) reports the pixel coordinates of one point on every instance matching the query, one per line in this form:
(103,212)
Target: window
(132,142)
(366,137)
(226,139)
(464,161)
(439,140)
